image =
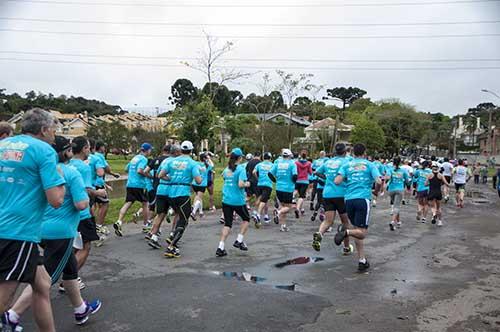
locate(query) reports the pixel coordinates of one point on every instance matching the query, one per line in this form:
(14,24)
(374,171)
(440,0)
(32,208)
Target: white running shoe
(283,228)
(440,223)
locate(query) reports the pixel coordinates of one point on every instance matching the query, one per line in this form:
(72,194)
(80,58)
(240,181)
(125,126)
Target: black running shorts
(151,199)
(136,195)
(335,204)
(264,193)
(358,211)
(87,229)
(99,199)
(302,189)
(199,189)
(284,197)
(18,260)
(58,258)
(229,210)
(438,196)
(162,204)
(423,194)
(460,186)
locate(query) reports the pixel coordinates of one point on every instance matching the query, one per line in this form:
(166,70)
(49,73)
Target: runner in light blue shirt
(421,175)
(397,178)
(264,188)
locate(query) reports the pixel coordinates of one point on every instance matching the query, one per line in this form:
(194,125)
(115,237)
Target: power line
(255,67)
(78,33)
(204,5)
(42,20)
(111,56)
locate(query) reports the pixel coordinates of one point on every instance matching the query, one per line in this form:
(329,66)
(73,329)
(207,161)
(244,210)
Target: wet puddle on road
(264,280)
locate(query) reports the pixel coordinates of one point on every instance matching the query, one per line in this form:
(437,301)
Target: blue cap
(237,152)
(146,146)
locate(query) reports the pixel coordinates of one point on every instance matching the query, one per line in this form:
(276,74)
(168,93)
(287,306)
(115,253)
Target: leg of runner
(153,234)
(7,292)
(42,308)
(282,213)
(121,215)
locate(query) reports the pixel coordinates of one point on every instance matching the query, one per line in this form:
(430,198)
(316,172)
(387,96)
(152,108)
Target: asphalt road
(423,278)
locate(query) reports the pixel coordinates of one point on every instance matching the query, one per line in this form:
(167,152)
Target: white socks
(221,245)
(13,316)
(81,309)
(154,237)
(239,238)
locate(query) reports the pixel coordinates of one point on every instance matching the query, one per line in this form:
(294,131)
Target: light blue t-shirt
(27,169)
(95,163)
(359,175)
(136,180)
(421,176)
(263,169)
(380,167)
(203,173)
(163,187)
(315,166)
(330,169)
(397,178)
(232,194)
(182,170)
(62,223)
(101,163)
(84,170)
(283,170)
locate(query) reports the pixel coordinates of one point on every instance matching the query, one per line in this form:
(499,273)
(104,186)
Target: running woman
(333,196)
(435,181)
(87,226)
(32,182)
(136,186)
(233,201)
(304,170)
(318,190)
(359,175)
(264,188)
(199,189)
(421,176)
(381,169)
(397,178)
(181,171)
(59,228)
(407,193)
(315,165)
(447,169)
(284,173)
(461,175)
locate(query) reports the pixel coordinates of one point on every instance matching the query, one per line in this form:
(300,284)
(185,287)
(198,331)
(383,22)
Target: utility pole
(490,111)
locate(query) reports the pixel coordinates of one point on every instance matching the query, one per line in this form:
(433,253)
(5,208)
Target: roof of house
(270,116)
(328,123)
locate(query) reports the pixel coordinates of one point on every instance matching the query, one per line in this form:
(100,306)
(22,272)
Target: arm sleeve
(48,170)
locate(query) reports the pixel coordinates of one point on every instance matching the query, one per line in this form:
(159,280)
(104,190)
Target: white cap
(287,153)
(187,146)
(248,156)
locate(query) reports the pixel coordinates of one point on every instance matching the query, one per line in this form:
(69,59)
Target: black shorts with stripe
(59,259)
(18,260)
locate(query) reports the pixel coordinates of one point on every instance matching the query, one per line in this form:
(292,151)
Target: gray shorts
(396,198)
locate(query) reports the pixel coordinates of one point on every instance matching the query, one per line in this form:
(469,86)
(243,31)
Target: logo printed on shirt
(283,166)
(358,167)
(12,155)
(179,165)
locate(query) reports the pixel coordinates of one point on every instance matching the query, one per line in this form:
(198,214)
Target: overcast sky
(448,91)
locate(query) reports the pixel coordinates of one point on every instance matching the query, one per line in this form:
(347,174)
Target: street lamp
(489,120)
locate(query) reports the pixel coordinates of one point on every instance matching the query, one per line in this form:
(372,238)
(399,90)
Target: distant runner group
(54,199)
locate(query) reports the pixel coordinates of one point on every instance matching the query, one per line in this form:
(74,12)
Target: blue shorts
(358,211)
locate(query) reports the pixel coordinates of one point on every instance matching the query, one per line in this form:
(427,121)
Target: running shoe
(202,214)
(256,219)
(348,251)
(439,223)
(92,308)
(169,239)
(374,203)
(446,199)
(276,217)
(363,267)
(283,228)
(391,226)
(398,224)
(100,242)
(220,252)
(403,202)
(154,244)
(267,219)
(313,217)
(146,228)
(135,217)
(423,221)
(341,234)
(316,244)
(302,211)
(330,229)
(172,252)
(222,220)
(8,325)
(193,216)
(81,285)
(147,237)
(297,214)
(118,228)
(240,245)
(434,220)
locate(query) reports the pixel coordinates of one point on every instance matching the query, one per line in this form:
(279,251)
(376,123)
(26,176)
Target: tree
(277,101)
(195,120)
(114,134)
(346,95)
(370,134)
(183,91)
(291,86)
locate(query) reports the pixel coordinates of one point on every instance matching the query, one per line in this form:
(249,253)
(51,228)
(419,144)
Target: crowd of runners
(54,202)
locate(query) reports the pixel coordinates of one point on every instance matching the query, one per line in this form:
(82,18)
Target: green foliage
(346,95)
(194,121)
(183,91)
(114,134)
(369,133)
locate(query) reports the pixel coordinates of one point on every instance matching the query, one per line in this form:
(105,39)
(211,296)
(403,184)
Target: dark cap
(61,143)
(340,148)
